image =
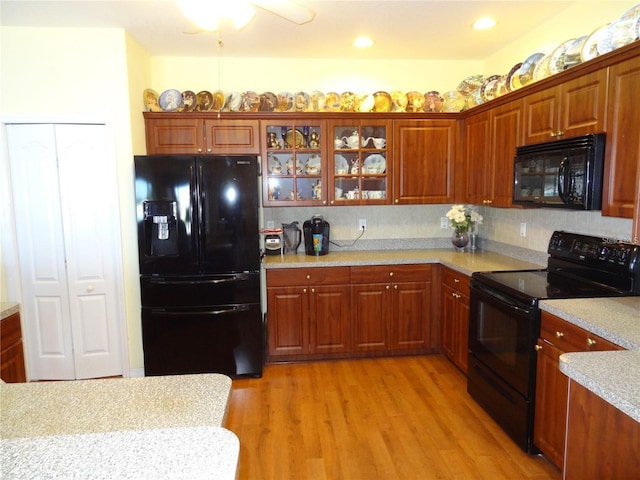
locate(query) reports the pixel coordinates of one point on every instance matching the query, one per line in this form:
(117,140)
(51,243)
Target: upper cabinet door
(174,135)
(620,189)
(424,156)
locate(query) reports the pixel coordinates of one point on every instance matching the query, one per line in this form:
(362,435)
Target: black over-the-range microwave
(561,173)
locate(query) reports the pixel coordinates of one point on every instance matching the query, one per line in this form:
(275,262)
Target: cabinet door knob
(560,133)
(313,290)
(590,342)
(199,150)
(391,274)
(397,201)
(308,277)
(538,348)
(90,288)
(455,280)
(559,334)
(209,150)
(304,290)
(395,286)
(387,287)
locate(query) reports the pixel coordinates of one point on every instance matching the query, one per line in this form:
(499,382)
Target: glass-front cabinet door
(359,167)
(294,162)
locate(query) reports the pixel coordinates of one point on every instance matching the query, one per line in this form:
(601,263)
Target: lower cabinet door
(287,320)
(329,319)
(371,312)
(410,322)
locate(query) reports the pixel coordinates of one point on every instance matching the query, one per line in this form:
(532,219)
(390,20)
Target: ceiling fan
(208,13)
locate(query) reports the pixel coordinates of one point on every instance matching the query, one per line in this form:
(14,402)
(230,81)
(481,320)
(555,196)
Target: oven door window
(501,336)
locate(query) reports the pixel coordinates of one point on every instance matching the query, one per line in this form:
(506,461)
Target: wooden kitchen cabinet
(169,133)
(295,164)
(391,307)
(602,441)
(557,336)
(359,169)
(12,366)
(573,108)
(455,317)
(621,187)
(424,156)
(308,312)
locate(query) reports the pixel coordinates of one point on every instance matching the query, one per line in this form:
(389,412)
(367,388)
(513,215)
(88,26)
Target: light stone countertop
(613,376)
(113,404)
(8,308)
(173,453)
(464,262)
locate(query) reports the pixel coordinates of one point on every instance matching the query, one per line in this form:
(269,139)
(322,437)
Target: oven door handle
(238,277)
(507,301)
(222,311)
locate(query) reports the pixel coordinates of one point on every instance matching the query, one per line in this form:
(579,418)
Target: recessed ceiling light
(362,42)
(484,23)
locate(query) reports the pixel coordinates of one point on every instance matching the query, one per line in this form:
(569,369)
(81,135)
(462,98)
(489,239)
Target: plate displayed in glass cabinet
(294,138)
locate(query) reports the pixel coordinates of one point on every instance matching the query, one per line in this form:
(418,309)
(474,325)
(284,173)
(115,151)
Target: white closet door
(88,199)
(67,227)
(34,178)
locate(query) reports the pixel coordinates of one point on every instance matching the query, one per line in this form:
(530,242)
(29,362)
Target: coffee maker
(292,237)
(316,236)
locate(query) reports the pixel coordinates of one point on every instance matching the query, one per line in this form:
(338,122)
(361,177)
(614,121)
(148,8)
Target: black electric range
(504,320)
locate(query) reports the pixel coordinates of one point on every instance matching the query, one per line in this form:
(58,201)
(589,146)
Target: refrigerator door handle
(238,277)
(224,311)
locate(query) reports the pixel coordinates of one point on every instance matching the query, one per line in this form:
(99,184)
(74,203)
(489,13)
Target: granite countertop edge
(8,308)
(593,370)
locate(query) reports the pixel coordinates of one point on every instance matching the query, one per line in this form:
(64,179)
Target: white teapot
(353,141)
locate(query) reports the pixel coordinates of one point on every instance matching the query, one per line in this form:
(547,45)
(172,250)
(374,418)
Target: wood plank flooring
(387,418)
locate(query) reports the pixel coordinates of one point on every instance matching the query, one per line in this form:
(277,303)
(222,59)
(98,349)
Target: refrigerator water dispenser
(160,228)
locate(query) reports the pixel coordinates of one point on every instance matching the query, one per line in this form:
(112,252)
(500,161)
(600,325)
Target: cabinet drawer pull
(308,277)
(391,274)
(455,280)
(559,334)
(590,342)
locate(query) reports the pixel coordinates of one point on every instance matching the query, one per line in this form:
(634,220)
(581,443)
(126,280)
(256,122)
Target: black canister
(316,236)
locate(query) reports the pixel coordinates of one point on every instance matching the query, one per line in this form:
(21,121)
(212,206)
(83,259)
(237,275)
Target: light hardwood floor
(387,418)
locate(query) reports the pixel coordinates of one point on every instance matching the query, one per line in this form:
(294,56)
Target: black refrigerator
(198,247)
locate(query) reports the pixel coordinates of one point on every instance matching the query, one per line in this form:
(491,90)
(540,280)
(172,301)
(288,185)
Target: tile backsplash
(418,226)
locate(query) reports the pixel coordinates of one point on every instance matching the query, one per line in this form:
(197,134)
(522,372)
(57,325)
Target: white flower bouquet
(464,218)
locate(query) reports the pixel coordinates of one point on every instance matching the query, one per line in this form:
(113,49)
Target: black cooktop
(533,285)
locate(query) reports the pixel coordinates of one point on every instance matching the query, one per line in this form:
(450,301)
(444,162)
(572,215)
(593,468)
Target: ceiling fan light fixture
(208,13)
(363,42)
(484,23)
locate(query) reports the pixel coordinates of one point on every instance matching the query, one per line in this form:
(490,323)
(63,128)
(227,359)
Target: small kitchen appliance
(272,244)
(292,237)
(316,236)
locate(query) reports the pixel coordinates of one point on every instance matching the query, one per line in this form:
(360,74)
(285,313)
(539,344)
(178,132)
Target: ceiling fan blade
(287,9)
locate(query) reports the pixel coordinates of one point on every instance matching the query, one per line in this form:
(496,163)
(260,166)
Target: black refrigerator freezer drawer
(224,339)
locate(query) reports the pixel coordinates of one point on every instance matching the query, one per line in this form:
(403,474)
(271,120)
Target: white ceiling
(434,29)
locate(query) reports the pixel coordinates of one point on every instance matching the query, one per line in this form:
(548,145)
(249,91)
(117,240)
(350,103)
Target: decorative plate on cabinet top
(625,31)
(233,102)
(474,99)
(250,102)
(454,101)
(285,102)
(218,100)
(332,102)
(470,84)
(317,101)
(415,102)
(605,40)
(589,49)
(488,88)
(204,101)
(556,59)
(366,102)
(527,68)
(268,102)
(542,68)
(572,54)
(398,101)
(189,101)
(301,102)
(513,78)
(170,100)
(348,102)
(150,98)
(432,102)
(382,102)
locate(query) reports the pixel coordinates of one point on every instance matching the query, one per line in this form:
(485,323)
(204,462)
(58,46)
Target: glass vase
(460,239)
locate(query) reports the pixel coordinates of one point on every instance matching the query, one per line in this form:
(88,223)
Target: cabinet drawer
(308,276)
(391,273)
(11,332)
(571,338)
(455,280)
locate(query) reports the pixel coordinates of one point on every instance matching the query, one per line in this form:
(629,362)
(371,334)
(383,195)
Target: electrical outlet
(271,224)
(444,222)
(362,224)
(523,229)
